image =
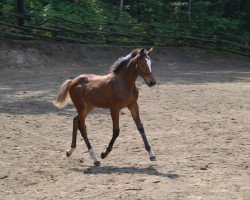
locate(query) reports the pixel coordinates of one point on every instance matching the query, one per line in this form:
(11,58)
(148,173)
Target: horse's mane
(123,61)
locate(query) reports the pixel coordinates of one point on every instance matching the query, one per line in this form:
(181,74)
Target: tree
(21,12)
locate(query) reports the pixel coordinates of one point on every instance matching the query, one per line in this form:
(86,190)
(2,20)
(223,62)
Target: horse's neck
(128,76)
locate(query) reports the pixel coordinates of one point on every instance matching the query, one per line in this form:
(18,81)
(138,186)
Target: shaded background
(220,25)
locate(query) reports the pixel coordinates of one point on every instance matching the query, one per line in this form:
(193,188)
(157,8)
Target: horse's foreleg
(74,135)
(145,140)
(116,131)
(134,109)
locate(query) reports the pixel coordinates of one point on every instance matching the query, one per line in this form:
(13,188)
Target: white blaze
(149,63)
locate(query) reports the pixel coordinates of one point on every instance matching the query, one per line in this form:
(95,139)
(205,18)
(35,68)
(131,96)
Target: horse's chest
(125,99)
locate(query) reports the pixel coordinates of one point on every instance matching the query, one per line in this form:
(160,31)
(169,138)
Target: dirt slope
(196,118)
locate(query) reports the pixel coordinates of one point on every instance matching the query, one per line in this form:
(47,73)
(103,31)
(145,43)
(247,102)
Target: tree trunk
(189,11)
(121,5)
(20,9)
(138,9)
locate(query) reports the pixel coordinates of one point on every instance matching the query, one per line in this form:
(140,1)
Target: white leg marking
(93,155)
(151,153)
(71,150)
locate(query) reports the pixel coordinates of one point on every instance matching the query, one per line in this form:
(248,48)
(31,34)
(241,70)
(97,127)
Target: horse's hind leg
(74,135)
(134,109)
(82,128)
(83,109)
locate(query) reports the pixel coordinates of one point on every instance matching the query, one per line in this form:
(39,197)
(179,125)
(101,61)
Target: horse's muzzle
(152,83)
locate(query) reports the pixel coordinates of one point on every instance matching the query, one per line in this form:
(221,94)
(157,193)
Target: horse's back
(90,79)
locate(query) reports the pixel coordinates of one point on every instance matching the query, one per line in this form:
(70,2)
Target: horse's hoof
(68,154)
(153,158)
(97,163)
(70,151)
(103,155)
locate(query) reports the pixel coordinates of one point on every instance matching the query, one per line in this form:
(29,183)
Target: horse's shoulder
(135,92)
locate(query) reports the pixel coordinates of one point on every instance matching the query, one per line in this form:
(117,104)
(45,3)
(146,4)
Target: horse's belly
(104,101)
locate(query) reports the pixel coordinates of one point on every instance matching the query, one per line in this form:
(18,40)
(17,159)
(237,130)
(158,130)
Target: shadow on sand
(125,170)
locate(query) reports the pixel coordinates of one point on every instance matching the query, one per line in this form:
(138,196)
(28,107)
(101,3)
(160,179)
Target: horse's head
(144,66)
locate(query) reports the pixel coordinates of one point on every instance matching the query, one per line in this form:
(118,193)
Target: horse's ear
(142,52)
(150,51)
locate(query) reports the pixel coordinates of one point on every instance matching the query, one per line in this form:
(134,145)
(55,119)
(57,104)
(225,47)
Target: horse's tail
(62,97)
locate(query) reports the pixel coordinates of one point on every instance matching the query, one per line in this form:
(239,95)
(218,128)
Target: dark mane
(123,61)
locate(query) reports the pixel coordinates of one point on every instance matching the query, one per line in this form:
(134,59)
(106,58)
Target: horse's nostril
(152,83)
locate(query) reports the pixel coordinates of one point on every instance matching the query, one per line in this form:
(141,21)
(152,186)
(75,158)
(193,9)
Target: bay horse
(114,91)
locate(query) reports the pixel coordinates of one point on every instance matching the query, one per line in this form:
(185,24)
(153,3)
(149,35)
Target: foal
(114,91)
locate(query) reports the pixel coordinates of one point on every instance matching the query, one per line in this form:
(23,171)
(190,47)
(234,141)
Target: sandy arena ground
(197,119)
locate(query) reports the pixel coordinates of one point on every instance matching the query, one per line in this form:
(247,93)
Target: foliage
(210,16)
